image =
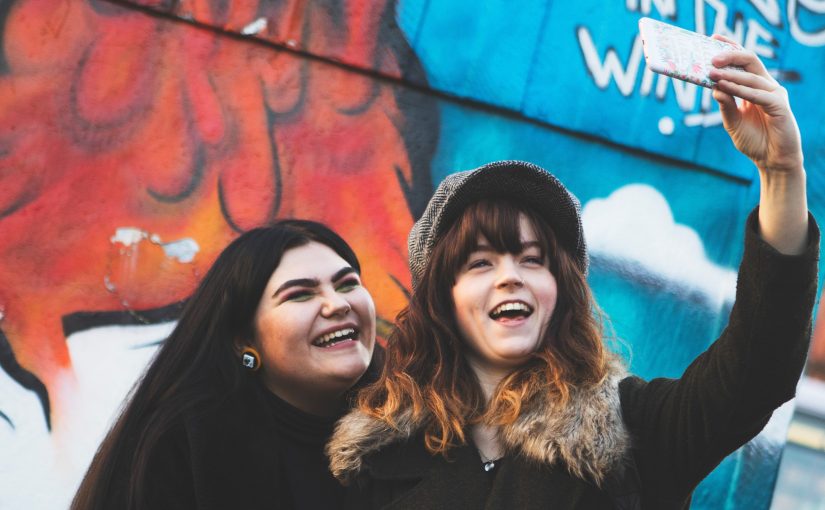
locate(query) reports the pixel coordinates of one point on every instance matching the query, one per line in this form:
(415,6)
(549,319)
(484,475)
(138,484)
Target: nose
(508,274)
(335,305)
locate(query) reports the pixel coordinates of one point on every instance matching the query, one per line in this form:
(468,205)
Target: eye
(533,260)
(478,263)
(348,285)
(299,296)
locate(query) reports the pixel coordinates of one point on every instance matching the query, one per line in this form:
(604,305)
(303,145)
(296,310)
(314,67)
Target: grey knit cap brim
(522,182)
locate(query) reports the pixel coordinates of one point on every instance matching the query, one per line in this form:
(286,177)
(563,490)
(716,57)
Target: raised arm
(762,126)
(684,427)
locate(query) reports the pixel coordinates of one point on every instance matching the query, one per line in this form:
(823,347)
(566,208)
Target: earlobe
(249,356)
(250,359)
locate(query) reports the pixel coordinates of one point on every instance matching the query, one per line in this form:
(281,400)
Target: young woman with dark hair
(234,410)
(498,391)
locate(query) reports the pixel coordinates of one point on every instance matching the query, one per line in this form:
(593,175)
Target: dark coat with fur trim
(626,444)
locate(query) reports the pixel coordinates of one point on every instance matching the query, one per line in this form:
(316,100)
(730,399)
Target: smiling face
(504,302)
(314,328)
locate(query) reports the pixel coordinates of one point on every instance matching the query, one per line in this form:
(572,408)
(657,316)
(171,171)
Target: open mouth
(511,310)
(336,337)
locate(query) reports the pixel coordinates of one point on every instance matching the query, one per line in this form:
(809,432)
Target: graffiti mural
(132,149)
(138,137)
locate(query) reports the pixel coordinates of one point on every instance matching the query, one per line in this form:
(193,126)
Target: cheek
(365,307)
(550,297)
(459,307)
(263,332)
(365,302)
(467,296)
(467,312)
(275,332)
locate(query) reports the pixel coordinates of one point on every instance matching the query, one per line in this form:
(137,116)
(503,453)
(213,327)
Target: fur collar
(587,435)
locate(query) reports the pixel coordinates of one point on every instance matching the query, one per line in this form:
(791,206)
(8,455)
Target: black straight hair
(198,363)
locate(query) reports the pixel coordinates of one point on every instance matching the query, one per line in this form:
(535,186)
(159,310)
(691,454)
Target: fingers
(753,87)
(752,82)
(720,37)
(725,100)
(727,107)
(747,60)
(772,102)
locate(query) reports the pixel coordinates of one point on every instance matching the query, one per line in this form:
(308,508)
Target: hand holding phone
(680,53)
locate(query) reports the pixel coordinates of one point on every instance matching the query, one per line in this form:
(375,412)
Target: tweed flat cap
(523,182)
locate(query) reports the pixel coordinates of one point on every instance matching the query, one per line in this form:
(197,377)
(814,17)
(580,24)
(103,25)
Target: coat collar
(587,435)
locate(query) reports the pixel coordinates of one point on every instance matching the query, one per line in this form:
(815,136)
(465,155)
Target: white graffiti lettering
(799,34)
(667,8)
(710,16)
(685,94)
(720,12)
(769,9)
(755,35)
(611,67)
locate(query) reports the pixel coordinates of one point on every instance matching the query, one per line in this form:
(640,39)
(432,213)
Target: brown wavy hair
(427,378)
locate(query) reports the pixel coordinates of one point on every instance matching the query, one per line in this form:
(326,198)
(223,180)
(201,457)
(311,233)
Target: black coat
(233,453)
(677,430)
(226,456)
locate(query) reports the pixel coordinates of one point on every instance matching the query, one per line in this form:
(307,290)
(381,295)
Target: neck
(486,441)
(318,403)
(484,436)
(488,377)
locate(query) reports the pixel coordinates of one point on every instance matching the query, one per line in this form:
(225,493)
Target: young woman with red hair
(498,391)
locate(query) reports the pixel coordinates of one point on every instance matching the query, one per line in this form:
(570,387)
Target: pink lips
(511,321)
(341,345)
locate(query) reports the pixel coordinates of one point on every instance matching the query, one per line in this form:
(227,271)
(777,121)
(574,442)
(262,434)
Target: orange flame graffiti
(111,118)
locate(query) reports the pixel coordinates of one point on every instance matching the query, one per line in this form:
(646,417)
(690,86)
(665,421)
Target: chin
(516,358)
(352,370)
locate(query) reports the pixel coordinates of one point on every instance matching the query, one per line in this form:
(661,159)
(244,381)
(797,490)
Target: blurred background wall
(137,138)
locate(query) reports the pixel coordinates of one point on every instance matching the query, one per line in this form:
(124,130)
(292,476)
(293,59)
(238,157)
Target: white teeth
(510,306)
(329,337)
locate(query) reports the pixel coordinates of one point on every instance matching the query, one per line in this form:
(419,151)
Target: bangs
(497,221)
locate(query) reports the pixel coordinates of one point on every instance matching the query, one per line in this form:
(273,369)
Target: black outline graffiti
(23,198)
(5,417)
(197,168)
(81,321)
(422,112)
(5,9)
(26,379)
(104,135)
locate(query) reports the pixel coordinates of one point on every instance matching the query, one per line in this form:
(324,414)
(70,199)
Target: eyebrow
(524,246)
(312,282)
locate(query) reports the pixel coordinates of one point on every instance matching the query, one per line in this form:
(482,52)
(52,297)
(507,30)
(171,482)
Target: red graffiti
(114,118)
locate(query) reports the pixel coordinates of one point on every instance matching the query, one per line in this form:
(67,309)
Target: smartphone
(680,53)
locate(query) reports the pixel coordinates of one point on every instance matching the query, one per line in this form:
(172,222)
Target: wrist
(793,162)
(783,210)
(793,176)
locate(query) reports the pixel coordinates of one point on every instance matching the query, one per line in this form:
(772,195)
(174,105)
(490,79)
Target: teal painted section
(580,66)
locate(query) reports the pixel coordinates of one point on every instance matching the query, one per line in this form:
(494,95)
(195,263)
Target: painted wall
(137,138)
